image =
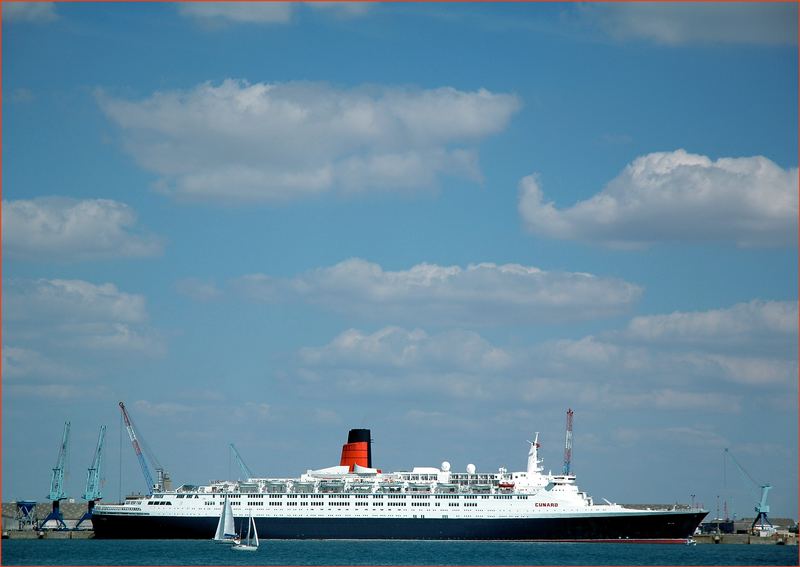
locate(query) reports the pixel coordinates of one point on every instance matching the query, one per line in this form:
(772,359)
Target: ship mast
(534,461)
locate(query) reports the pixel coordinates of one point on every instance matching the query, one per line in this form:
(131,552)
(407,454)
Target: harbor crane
(57,482)
(93,491)
(762,508)
(162,476)
(248,474)
(568,443)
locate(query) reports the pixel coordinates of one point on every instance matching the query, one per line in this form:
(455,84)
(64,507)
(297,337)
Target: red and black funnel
(358,449)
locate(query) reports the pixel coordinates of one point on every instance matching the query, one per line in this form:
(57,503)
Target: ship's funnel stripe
(355,454)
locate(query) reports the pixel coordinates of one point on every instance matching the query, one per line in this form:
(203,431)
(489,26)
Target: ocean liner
(353,500)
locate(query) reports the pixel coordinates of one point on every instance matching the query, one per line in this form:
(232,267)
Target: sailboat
(251,543)
(226,531)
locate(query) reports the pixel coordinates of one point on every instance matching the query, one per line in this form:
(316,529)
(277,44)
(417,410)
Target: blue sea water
(319,552)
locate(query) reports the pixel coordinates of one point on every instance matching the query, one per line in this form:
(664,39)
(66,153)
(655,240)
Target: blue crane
(57,482)
(762,508)
(148,478)
(245,469)
(93,491)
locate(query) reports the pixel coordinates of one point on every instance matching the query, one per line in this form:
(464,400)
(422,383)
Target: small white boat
(226,531)
(251,543)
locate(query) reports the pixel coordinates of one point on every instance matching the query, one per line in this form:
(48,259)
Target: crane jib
(135,442)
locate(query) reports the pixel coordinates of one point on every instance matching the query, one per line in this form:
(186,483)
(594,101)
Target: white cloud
(480,294)
(238,141)
(744,324)
(752,370)
(658,374)
(665,374)
(399,348)
(33,12)
(343,9)
(676,196)
(678,23)
(678,399)
(250,412)
(218,14)
(21,95)
(163,409)
(69,314)
(72,301)
(393,360)
(703,437)
(427,420)
(626,395)
(59,392)
(326,416)
(23,363)
(62,229)
(238,12)
(198,289)
(62,337)
(753,343)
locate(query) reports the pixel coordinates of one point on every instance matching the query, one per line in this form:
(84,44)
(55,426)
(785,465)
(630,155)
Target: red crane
(568,443)
(148,478)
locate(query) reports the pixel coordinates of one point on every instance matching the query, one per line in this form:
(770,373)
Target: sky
(266,224)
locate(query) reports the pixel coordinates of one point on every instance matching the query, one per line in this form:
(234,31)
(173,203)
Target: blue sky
(269,223)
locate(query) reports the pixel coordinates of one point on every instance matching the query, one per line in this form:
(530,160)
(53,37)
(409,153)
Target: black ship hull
(655,527)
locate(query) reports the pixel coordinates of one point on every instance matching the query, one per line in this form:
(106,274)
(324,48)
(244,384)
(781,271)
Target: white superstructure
(366,492)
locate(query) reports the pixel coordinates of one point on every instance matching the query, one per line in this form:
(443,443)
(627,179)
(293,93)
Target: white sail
(255,531)
(226,530)
(230,528)
(221,524)
(251,543)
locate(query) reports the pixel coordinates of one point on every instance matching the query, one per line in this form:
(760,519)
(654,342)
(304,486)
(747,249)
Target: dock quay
(13,528)
(746,539)
(48,534)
